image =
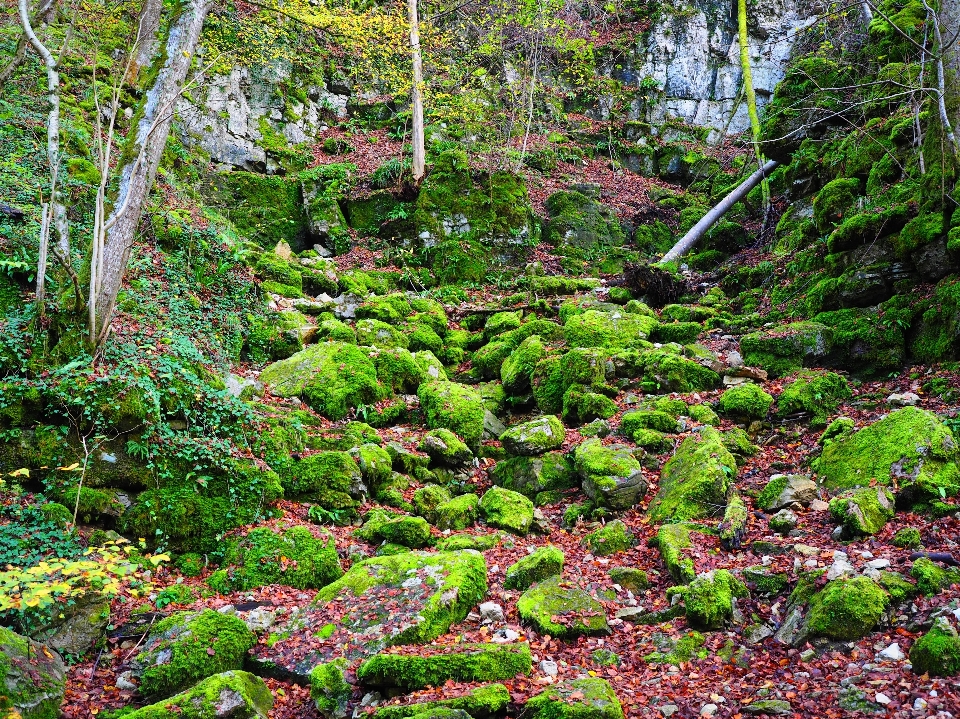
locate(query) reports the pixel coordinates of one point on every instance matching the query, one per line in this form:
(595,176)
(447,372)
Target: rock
(260,619)
(508,510)
(446,449)
(549,668)
(81,627)
(587,698)
(846,609)
(771,707)
(458,662)
(453,406)
(517,369)
(504,635)
(531,475)
(544,562)
(903,399)
(882,699)
(818,505)
(611,475)
(862,512)
(746,401)
(458,513)
(696,480)
(491,612)
(784,521)
(229,695)
(784,490)
(493,428)
(892,653)
(187,647)
(787,348)
(937,652)
(535,437)
(562,610)
(428,593)
(841,567)
(34,678)
(708,710)
(123,681)
(484,701)
(613,537)
(709,599)
(672,540)
(329,688)
(814,392)
(630,578)
(383,526)
(910,447)
(668,710)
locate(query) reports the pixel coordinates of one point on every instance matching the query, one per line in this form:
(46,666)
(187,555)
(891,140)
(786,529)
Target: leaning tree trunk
(146,43)
(419,152)
(142,157)
(693,236)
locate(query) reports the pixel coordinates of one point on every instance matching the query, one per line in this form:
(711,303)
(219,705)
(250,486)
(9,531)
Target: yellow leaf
(157,558)
(72,468)
(22,472)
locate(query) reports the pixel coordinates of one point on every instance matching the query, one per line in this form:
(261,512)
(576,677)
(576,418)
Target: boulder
(609,539)
(785,489)
(745,401)
(459,663)
(81,627)
(910,448)
(544,562)
(787,348)
(862,512)
(458,513)
(229,695)
(536,437)
(695,482)
(814,392)
(453,406)
(330,689)
(517,369)
(34,678)
(937,652)
(508,510)
(482,702)
(709,599)
(847,608)
(531,475)
(587,698)
(445,448)
(578,222)
(615,329)
(611,474)
(562,610)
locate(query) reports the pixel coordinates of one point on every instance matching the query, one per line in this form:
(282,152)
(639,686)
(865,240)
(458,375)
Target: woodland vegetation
(469,360)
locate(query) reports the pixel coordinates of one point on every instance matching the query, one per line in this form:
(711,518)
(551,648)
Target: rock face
(407,598)
(33,678)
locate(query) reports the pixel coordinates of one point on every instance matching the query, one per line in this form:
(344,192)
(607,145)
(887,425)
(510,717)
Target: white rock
(123,682)
(919,704)
(504,635)
(549,668)
(894,653)
(709,710)
(878,563)
(882,698)
(491,612)
(903,399)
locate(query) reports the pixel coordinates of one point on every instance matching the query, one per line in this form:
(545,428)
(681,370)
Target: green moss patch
(562,610)
(460,663)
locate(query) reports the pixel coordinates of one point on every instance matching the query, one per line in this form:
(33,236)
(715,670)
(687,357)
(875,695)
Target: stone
(611,475)
(841,567)
(81,627)
(846,608)
(549,668)
(562,610)
(903,399)
(783,490)
(586,698)
(34,678)
(508,510)
(490,613)
(445,448)
(937,652)
(863,512)
(463,662)
(532,475)
(784,521)
(542,563)
(771,707)
(493,428)
(695,482)
(609,539)
(892,653)
(453,406)
(708,710)
(709,599)
(230,695)
(535,437)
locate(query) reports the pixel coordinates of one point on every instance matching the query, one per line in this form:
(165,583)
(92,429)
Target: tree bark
(690,240)
(941,81)
(419,151)
(142,157)
(751,96)
(146,43)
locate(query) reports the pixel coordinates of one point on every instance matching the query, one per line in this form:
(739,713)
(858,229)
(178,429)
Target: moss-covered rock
(427,499)
(532,475)
(616,329)
(847,608)
(580,405)
(453,406)
(578,223)
(784,489)
(704,414)
(327,477)
(609,539)
(787,348)
(375,333)
(542,563)
(382,526)
(459,662)
(630,578)
(747,401)
(587,698)
(695,482)
(611,474)
(241,694)
(548,386)
(833,200)
(295,558)
(910,447)
(862,511)
(34,678)
(536,437)
(508,510)
(661,372)
(562,610)
(517,369)
(672,540)
(907,538)
(330,689)
(332,378)
(648,419)
(483,702)
(445,448)
(937,652)
(458,513)
(187,647)
(398,369)
(813,392)
(709,599)
(765,581)
(931,577)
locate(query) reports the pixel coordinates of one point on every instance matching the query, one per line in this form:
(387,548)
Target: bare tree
(419,151)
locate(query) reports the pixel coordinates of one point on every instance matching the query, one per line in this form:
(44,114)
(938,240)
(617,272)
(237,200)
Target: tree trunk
(690,240)
(145,146)
(146,44)
(941,81)
(751,96)
(419,152)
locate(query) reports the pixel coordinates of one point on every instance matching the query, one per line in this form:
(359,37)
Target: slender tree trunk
(941,81)
(57,207)
(751,96)
(145,146)
(146,43)
(690,240)
(419,151)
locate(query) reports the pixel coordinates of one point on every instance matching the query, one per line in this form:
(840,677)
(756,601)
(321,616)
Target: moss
(648,419)
(508,510)
(329,687)
(382,526)
(532,475)
(398,370)
(653,441)
(630,578)
(603,468)
(199,646)
(190,564)
(709,599)
(611,538)
(679,332)
(672,540)
(667,372)
(376,465)
(374,333)
(871,340)
(561,610)
(920,231)
(787,348)
(746,400)
(481,702)
(587,698)
(34,678)
(608,329)
(847,608)
(766,581)
(772,490)
(937,652)
(862,511)
(336,331)
(175,594)
(458,513)
(544,562)
(390,308)
(332,377)
(910,447)
(897,586)
(577,222)
(455,582)
(931,577)
(445,448)
(580,405)
(264,208)
(460,663)
(272,268)
(688,647)
(427,499)
(833,201)
(548,385)
(535,437)
(246,694)
(455,407)
(694,483)
(317,475)
(704,414)
(295,559)
(517,369)
(817,393)
(457,542)
(907,538)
